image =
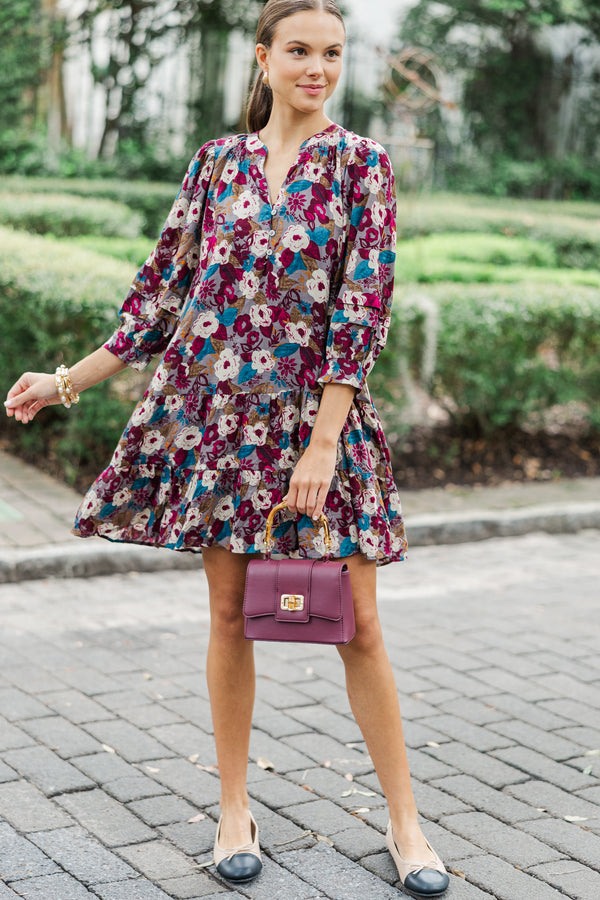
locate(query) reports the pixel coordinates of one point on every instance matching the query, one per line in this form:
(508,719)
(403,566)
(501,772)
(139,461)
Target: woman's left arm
(312,476)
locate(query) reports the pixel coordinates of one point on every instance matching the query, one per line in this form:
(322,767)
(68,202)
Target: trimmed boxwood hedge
(64,216)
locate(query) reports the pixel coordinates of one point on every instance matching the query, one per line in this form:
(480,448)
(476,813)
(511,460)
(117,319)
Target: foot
(421,871)
(239,862)
(236,828)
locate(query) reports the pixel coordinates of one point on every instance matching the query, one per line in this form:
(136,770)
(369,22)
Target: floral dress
(253,307)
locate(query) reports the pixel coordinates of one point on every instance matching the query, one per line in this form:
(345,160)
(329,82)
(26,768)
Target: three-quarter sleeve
(151,309)
(360,305)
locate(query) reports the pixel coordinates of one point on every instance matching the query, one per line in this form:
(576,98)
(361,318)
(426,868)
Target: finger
(311,500)
(19,399)
(291,499)
(321,498)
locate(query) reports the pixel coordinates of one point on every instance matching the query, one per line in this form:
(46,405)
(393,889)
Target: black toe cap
(427,882)
(241,867)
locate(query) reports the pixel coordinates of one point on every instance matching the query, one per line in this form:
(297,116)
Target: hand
(310,483)
(32,392)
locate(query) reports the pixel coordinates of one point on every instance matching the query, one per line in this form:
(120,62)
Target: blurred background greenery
(491,369)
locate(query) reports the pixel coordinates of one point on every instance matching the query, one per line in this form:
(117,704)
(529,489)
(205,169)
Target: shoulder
(357,150)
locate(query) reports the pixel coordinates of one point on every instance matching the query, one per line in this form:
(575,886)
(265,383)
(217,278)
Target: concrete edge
(82,559)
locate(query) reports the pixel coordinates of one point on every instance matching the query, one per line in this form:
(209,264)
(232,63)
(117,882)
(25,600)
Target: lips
(312,88)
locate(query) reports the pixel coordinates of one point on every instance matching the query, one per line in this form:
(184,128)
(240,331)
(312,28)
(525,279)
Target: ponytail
(260,104)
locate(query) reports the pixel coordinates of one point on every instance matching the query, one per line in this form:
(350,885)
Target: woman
(268,296)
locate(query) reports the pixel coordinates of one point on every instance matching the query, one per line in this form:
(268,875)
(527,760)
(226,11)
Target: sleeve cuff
(336,371)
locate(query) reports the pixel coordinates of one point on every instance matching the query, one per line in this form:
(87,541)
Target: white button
(272,233)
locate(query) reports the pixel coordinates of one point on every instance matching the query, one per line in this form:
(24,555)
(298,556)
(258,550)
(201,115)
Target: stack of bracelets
(65,388)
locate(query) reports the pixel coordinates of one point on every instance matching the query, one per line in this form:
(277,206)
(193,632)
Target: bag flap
(317,582)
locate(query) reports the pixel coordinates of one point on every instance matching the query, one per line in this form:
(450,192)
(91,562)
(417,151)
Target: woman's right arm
(35,390)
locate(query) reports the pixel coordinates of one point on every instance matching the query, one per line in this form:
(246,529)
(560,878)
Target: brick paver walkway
(106,782)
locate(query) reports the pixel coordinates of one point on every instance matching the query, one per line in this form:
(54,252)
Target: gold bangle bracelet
(64,386)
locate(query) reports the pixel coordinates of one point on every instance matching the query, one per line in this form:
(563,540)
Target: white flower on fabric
(229,172)
(227,425)
(262,500)
(288,458)
(227,463)
(298,333)
(369,543)
(259,244)
(252,478)
(160,376)
(396,544)
(378,214)
(222,252)
(152,441)
(207,170)
(205,324)
(187,438)
(337,212)
(209,478)
(117,458)
(121,497)
(140,520)
(353,261)
(374,180)
(92,506)
(261,316)
(173,402)
(178,212)
(290,416)
(295,239)
(312,172)
(394,503)
(262,361)
(224,509)
(237,544)
(249,285)
(256,434)
(310,411)
(318,285)
(228,365)
(370,504)
(143,412)
(193,518)
(374,260)
(246,206)
(353,533)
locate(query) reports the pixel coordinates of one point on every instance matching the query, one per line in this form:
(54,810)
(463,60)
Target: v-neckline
(274,203)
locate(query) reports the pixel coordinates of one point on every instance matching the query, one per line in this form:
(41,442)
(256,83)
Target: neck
(288,128)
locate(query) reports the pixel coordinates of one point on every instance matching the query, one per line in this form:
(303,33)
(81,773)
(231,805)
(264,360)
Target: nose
(314,66)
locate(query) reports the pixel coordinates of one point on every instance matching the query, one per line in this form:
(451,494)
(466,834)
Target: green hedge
(150,200)
(495,354)
(58,303)
(571,229)
(64,216)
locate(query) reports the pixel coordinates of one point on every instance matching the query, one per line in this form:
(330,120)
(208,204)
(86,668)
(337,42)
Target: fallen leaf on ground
(432,744)
(349,776)
(197,818)
(360,811)
(206,768)
(588,770)
(459,873)
(324,839)
(151,769)
(205,865)
(327,763)
(592,753)
(307,787)
(576,818)
(194,758)
(265,764)
(108,749)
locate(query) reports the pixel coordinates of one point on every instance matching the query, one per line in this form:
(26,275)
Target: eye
(334,54)
(299,50)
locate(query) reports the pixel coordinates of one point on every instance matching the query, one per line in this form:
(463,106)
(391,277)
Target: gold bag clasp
(292,602)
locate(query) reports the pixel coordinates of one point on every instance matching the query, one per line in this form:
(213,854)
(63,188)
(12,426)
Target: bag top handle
(324,524)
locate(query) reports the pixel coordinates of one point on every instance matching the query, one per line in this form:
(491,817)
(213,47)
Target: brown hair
(261,97)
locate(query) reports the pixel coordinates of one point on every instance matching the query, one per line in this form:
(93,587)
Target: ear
(262,55)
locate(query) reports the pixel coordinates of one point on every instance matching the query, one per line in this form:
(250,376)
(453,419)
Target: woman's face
(304,62)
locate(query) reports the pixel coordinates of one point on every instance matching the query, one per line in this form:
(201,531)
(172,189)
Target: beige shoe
(238,864)
(419,879)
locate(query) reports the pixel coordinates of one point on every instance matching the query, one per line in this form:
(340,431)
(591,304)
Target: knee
(368,638)
(226,619)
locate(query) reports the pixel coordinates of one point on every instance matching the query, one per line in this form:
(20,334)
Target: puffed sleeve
(360,305)
(151,309)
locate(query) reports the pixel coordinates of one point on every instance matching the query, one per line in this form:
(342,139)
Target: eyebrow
(302,44)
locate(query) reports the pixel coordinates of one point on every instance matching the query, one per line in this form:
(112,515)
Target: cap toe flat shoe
(238,864)
(419,879)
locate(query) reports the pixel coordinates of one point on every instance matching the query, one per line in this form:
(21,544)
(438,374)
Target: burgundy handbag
(303,600)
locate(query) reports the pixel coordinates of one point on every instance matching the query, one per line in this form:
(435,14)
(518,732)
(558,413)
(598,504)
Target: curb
(80,560)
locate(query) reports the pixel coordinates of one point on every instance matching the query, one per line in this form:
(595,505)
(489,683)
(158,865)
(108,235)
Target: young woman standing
(268,297)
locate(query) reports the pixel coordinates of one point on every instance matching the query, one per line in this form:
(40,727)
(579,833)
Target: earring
(266,78)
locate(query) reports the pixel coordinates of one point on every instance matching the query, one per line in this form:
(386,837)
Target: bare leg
(231,684)
(374,700)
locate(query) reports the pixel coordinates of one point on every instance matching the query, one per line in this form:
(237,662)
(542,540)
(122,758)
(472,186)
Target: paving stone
(478,712)
(19,858)
(487,799)
(192,709)
(569,838)
(194,838)
(84,858)
(135,787)
(76,707)
(277,724)
(186,739)
(583,670)
(539,739)
(104,766)
(525,688)
(434,803)
(566,686)
(589,738)
(484,766)
(570,877)
(592,794)
(521,664)
(105,818)
(158,860)
(546,769)
(130,742)
(65,738)
(556,801)
(182,777)
(572,712)
(355,842)
(16,705)
(322,748)
(438,697)
(485,831)
(449,846)
(276,792)
(6,773)
(333,786)
(330,872)
(539,714)
(106,660)
(464,685)
(87,680)
(12,737)
(52,887)
(321,815)
(27,809)
(190,887)
(140,889)
(152,715)
(123,699)
(284,757)
(163,810)
(33,679)
(502,880)
(320,719)
(473,735)
(46,770)
(449,656)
